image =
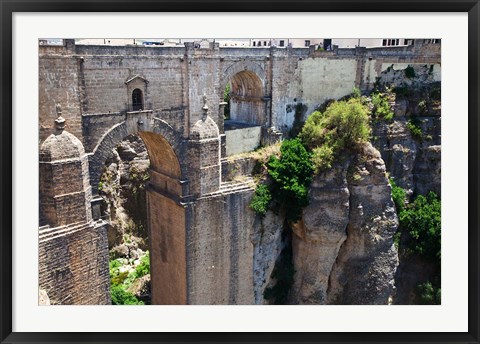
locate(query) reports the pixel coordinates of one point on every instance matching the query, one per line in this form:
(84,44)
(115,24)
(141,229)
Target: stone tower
(73,250)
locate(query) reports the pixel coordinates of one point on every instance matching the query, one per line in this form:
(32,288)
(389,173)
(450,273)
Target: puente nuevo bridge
(200,224)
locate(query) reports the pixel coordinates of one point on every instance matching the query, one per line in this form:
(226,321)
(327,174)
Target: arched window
(137,100)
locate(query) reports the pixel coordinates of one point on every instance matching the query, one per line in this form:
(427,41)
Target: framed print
(224,172)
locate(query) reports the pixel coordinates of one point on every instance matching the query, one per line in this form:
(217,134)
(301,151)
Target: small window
(282,43)
(264,43)
(254,43)
(384,43)
(307,43)
(137,100)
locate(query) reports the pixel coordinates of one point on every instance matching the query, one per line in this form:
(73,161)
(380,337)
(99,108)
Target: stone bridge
(200,225)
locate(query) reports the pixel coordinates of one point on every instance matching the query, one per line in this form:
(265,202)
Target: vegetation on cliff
(291,175)
(420,234)
(343,126)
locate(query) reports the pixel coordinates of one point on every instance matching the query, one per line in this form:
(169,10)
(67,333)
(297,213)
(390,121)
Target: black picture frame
(8,7)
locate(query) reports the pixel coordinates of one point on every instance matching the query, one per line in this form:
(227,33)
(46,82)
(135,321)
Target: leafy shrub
(381,107)
(409,72)
(322,158)
(261,199)
(422,219)
(356,93)
(122,297)
(144,267)
(429,294)
(415,129)
(399,195)
(292,175)
(343,125)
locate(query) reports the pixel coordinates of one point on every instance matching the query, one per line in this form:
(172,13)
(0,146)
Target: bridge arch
(247,82)
(165,212)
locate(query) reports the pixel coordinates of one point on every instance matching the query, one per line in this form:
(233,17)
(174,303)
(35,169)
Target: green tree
(422,219)
(292,175)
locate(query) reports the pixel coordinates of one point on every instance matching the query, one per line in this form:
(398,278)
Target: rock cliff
(343,246)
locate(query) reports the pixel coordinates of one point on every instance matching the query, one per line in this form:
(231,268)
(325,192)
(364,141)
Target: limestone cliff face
(414,163)
(267,246)
(411,144)
(343,246)
(319,235)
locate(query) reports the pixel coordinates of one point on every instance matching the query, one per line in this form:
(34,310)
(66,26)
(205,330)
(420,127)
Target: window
(264,43)
(254,43)
(307,43)
(282,43)
(384,43)
(137,100)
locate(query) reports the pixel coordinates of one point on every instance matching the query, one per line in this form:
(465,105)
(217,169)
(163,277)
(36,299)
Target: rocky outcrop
(319,235)
(365,267)
(410,144)
(343,246)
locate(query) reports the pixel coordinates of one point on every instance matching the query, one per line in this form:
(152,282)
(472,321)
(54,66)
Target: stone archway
(247,82)
(165,212)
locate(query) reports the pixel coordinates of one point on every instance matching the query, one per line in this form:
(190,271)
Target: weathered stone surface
(267,244)
(318,236)
(343,246)
(365,267)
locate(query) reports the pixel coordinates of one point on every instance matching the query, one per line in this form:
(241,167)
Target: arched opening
(246,103)
(122,187)
(245,111)
(137,100)
(142,190)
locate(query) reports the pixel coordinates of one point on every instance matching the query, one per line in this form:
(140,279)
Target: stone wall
(94,80)
(166,219)
(72,260)
(242,140)
(220,250)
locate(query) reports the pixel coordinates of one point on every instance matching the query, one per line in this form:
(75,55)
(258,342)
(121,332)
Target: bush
(381,107)
(415,129)
(429,294)
(343,125)
(422,219)
(409,72)
(261,200)
(122,297)
(356,93)
(292,175)
(144,267)
(399,195)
